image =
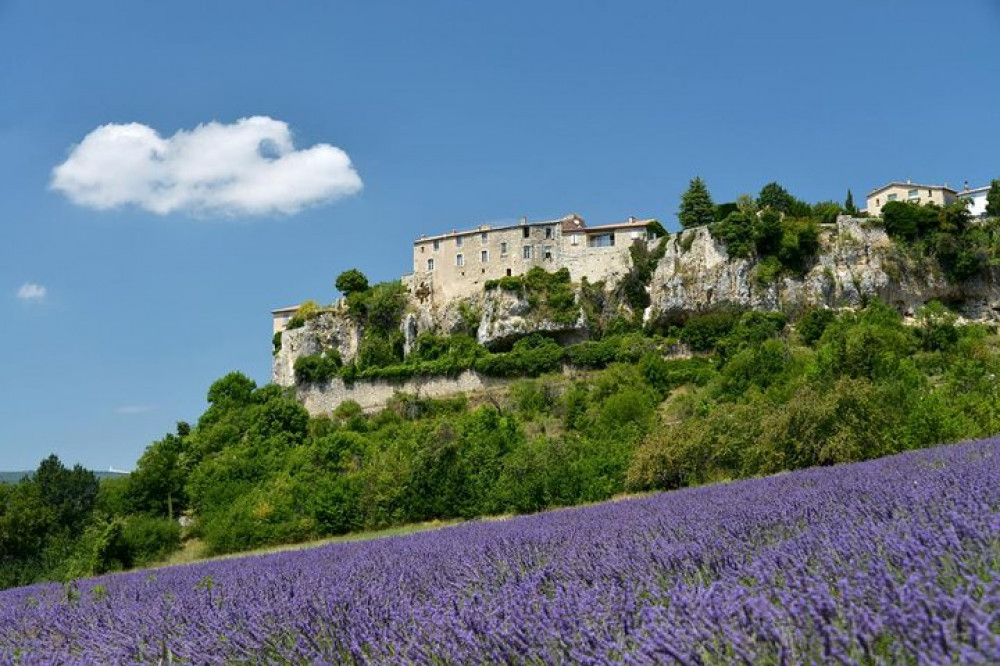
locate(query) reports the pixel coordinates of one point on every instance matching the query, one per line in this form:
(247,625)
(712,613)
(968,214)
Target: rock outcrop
(856,262)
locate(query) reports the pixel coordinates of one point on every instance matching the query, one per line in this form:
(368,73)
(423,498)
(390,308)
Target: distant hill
(14,477)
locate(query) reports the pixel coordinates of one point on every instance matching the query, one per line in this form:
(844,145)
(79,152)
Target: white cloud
(250,167)
(133,409)
(32,293)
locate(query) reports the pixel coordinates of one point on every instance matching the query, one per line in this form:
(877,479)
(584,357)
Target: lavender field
(891,561)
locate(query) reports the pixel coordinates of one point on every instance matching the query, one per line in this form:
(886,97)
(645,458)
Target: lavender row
(890,561)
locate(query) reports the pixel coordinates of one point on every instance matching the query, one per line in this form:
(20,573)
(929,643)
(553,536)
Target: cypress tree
(849,204)
(697,208)
(993,199)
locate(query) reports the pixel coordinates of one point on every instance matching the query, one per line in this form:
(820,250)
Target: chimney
(966,186)
(524,219)
(631,219)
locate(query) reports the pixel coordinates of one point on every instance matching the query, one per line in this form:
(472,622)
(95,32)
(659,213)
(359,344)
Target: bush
(530,357)
(318,367)
(811,325)
(308,310)
(702,331)
(351,282)
(150,539)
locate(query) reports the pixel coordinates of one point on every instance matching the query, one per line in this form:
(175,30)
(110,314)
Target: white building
(976,198)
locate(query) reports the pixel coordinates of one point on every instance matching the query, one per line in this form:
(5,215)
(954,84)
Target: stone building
(942,195)
(458,264)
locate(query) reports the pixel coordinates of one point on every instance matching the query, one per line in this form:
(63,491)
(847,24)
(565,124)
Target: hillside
(582,423)
(387,339)
(14,477)
(888,561)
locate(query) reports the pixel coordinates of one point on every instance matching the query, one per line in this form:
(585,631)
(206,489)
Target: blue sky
(115,320)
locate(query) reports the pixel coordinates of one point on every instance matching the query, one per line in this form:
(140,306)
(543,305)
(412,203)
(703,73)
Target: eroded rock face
(507,316)
(856,262)
(328,330)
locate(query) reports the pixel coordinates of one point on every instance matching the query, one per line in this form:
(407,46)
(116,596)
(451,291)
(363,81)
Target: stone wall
(372,395)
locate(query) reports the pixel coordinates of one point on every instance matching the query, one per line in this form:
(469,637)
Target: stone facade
(458,264)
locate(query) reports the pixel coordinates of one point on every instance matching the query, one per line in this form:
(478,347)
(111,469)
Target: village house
(459,263)
(976,199)
(942,195)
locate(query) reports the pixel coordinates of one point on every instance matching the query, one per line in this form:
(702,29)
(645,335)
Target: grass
(195,550)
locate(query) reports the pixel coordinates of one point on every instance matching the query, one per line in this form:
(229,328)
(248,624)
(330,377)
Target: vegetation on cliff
(256,469)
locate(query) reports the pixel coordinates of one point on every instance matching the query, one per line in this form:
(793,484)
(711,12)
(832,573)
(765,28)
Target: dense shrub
(530,357)
(318,367)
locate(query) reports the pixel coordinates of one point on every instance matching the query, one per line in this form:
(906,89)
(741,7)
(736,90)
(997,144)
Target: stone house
(459,263)
(942,195)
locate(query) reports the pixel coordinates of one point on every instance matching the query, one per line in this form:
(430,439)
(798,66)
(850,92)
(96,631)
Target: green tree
(849,206)
(157,484)
(993,199)
(351,281)
(775,197)
(697,208)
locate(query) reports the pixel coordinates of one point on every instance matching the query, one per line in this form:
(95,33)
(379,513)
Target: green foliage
(736,230)
(776,198)
(826,212)
(993,199)
(849,206)
(351,281)
(276,343)
(861,394)
(318,367)
(632,288)
(813,323)
(157,485)
(963,250)
(307,310)
(937,330)
(702,331)
(550,295)
(696,208)
(531,356)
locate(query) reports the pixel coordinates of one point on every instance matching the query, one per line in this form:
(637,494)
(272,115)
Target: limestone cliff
(856,262)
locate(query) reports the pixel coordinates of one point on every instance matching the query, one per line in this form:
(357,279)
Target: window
(891,197)
(929,193)
(635,235)
(484,238)
(458,241)
(548,232)
(601,240)
(484,256)
(437,245)
(508,272)
(503,249)
(913,194)
(459,260)
(526,232)
(422,248)
(430,264)
(547,252)
(526,252)
(574,239)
